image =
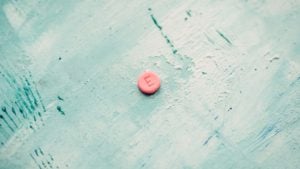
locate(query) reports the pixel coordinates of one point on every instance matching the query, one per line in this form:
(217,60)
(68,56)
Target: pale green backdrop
(230,94)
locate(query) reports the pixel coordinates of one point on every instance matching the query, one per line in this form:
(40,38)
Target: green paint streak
(189,13)
(224,37)
(60,110)
(155,22)
(38,93)
(21,110)
(10,118)
(169,42)
(13,84)
(27,92)
(29,85)
(20,91)
(6,122)
(60,98)
(174,50)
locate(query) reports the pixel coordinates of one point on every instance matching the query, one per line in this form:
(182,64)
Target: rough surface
(230,94)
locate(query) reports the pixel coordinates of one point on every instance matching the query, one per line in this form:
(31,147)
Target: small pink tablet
(148,83)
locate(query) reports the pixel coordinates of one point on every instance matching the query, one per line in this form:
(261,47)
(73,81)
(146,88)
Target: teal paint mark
(165,36)
(13,110)
(189,13)
(23,97)
(274,59)
(10,118)
(35,161)
(38,93)
(36,152)
(207,140)
(21,110)
(31,92)
(155,22)
(31,102)
(266,131)
(19,94)
(7,124)
(60,98)
(4,133)
(224,37)
(41,151)
(60,110)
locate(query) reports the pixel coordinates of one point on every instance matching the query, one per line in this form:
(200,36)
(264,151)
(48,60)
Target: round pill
(148,83)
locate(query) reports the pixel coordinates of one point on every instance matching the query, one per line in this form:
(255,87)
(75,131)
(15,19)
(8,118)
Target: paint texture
(229,98)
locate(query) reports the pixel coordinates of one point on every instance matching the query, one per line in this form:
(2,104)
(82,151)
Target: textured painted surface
(230,94)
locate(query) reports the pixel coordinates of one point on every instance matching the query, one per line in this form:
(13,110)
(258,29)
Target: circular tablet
(148,83)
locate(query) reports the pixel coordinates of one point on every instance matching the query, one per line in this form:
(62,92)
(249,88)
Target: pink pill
(148,83)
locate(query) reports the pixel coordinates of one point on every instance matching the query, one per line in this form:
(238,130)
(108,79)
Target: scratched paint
(230,94)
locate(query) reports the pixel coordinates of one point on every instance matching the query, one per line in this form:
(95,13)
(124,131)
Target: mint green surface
(229,99)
